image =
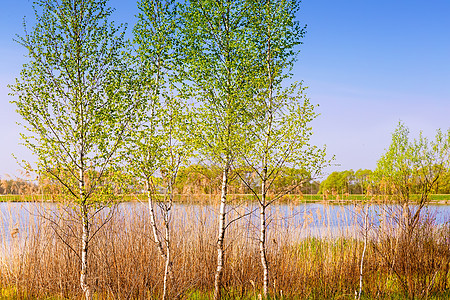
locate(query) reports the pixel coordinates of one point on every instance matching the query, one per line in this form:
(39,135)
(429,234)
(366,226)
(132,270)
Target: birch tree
(413,164)
(215,69)
(281,138)
(77,100)
(408,164)
(279,133)
(159,147)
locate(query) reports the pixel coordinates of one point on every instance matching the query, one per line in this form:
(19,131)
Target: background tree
(76,99)
(17,186)
(292,181)
(338,183)
(199,179)
(362,180)
(443,183)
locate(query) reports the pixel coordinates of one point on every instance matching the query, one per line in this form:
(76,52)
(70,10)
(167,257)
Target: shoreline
(435,199)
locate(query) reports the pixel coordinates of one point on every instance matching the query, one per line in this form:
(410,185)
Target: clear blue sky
(368,64)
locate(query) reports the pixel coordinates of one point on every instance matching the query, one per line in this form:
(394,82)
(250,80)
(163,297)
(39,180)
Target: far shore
(434,199)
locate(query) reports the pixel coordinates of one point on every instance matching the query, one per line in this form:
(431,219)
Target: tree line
(201,179)
(17,187)
(193,179)
(363,181)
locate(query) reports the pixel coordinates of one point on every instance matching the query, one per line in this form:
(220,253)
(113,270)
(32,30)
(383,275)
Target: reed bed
(209,198)
(38,262)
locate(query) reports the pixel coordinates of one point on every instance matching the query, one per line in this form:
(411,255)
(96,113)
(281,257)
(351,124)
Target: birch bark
(221,235)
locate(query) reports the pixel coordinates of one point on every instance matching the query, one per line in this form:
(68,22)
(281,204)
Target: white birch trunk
(153,222)
(85,232)
(262,249)
(167,267)
(164,251)
(84,254)
(262,238)
(168,264)
(221,236)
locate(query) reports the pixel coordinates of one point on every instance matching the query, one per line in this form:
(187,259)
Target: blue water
(302,220)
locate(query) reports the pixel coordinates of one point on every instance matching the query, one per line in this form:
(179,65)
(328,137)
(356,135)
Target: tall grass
(209,198)
(37,264)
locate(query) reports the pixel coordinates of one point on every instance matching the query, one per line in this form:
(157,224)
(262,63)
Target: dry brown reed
(125,264)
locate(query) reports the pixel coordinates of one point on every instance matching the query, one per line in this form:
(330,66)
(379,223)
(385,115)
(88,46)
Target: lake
(300,221)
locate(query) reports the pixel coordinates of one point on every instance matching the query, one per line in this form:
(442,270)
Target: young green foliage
(77,101)
(279,131)
(280,138)
(410,167)
(278,135)
(160,144)
(74,94)
(163,119)
(215,67)
(216,70)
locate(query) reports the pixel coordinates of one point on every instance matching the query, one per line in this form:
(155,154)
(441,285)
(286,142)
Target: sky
(368,64)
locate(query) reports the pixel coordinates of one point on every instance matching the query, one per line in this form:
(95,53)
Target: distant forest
(202,179)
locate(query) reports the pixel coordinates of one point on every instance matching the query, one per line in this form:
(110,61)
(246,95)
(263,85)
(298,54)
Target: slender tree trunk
(262,241)
(164,250)
(168,264)
(167,272)
(85,232)
(366,229)
(84,252)
(263,204)
(153,221)
(221,236)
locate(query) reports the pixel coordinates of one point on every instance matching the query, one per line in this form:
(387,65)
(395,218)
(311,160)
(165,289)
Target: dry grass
(125,263)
